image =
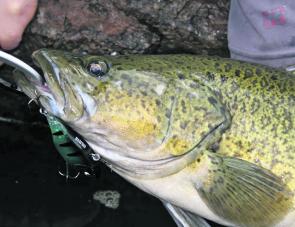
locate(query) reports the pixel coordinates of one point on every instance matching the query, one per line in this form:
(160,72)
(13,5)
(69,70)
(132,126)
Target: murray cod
(210,137)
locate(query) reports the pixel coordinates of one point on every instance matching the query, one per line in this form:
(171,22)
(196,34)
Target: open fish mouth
(49,91)
(53,90)
(57,94)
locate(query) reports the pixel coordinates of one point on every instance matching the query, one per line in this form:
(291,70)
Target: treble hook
(36,99)
(67,173)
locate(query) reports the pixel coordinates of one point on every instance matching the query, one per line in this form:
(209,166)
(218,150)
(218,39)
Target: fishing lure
(78,156)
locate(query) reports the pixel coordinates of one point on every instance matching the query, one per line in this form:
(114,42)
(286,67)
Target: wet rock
(183,26)
(129,26)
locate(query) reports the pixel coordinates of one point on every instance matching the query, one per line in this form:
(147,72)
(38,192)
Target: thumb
(14,17)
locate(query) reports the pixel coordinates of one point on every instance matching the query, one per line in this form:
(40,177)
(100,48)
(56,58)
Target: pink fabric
(262,31)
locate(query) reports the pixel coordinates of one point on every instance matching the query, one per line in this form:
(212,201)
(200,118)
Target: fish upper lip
(40,55)
(38,59)
(58,86)
(39,67)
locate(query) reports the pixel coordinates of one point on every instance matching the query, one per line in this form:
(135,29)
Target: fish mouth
(56,94)
(50,93)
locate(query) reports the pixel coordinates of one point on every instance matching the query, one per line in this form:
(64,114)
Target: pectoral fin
(244,193)
(184,218)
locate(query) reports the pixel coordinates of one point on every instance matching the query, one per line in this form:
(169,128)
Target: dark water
(33,194)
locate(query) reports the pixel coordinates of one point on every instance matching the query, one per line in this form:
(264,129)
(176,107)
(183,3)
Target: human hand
(15,15)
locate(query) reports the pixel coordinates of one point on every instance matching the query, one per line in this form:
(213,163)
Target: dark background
(32,192)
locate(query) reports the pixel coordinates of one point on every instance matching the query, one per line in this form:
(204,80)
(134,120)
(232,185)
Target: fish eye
(98,69)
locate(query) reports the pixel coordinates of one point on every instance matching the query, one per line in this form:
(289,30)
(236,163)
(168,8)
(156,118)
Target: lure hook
(67,174)
(36,100)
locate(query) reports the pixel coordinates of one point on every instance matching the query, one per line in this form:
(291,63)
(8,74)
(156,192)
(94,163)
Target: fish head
(100,97)
(131,105)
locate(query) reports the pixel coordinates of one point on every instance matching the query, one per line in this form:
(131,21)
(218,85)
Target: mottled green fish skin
(238,110)
(261,102)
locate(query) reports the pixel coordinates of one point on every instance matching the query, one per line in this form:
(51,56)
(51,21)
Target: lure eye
(98,69)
